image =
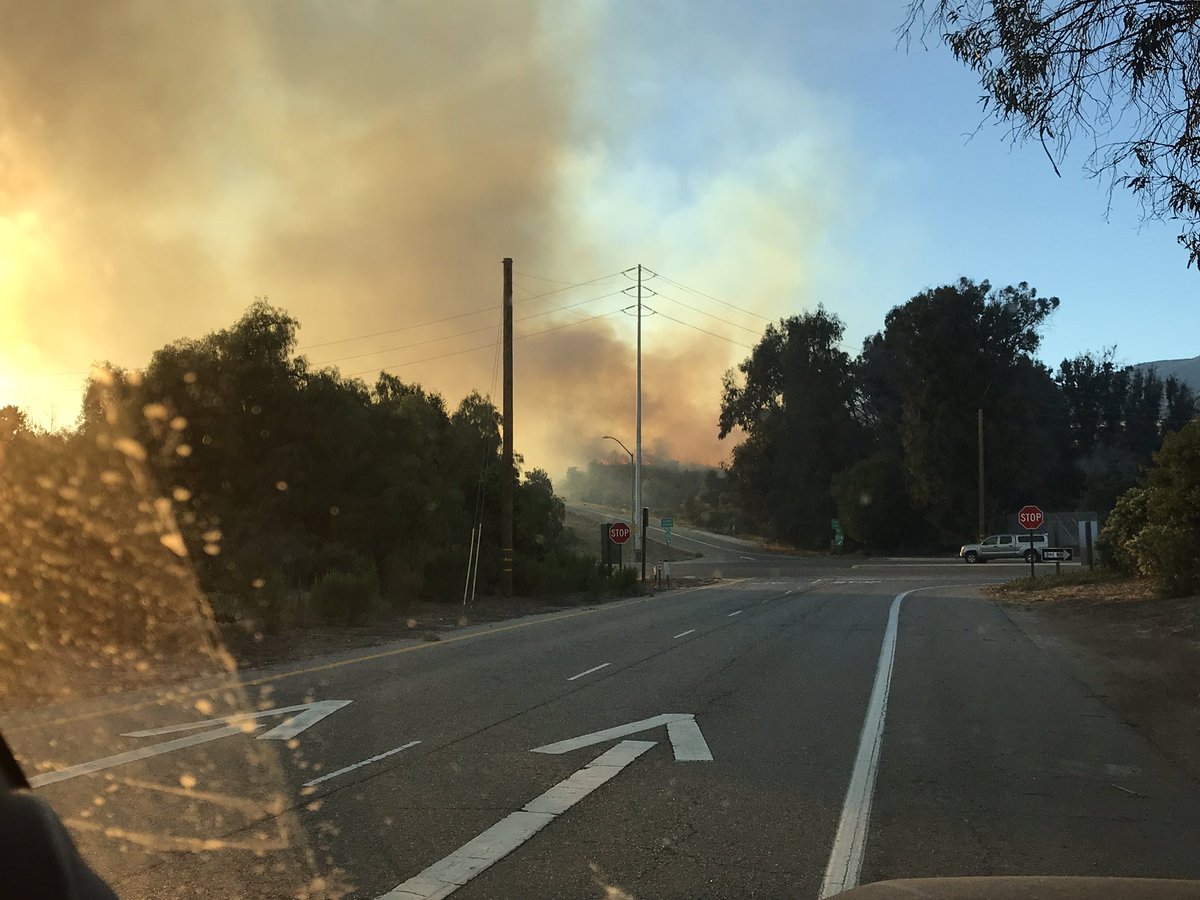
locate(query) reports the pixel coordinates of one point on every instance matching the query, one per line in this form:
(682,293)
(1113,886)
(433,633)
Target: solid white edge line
(684,634)
(734,613)
(359,765)
(450,873)
(589,671)
(846,856)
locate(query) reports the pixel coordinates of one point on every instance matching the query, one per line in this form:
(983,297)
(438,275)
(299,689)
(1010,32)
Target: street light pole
(632,481)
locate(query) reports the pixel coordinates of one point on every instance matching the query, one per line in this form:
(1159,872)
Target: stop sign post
(1030,518)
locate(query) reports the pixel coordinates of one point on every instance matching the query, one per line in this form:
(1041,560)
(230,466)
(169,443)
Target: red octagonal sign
(618,532)
(1030,517)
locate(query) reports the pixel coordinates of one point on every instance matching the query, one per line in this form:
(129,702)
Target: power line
(716,299)
(705,331)
(519,337)
(359,337)
(462,315)
(696,309)
(561,281)
(461,333)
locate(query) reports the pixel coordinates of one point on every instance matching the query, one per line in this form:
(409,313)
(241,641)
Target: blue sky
(917,201)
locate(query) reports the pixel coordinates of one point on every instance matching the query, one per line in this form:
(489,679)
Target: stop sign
(618,532)
(1030,517)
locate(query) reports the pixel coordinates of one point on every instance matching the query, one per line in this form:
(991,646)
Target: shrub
(1124,523)
(1165,542)
(624,582)
(344,597)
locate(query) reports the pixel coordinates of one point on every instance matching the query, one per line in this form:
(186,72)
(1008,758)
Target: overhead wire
(715,299)
(462,315)
(519,337)
(458,334)
(704,331)
(702,312)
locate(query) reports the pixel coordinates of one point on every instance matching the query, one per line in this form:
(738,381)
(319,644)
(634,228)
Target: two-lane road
(775,735)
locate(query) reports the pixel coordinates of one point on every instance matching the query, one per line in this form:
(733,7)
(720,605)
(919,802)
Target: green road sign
(838,538)
(668,524)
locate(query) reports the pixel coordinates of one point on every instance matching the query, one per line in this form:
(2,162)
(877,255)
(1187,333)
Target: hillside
(1186,370)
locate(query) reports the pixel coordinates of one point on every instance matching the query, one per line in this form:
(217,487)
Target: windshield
(531,449)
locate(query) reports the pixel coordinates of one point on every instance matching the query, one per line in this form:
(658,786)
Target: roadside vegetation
(287,494)
(886,442)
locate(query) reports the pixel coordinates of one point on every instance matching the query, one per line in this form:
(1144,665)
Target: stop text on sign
(618,532)
(1030,517)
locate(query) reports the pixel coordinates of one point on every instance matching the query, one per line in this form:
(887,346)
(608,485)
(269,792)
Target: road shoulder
(1138,654)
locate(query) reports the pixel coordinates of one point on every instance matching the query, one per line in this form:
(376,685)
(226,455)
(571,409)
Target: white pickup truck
(1006,546)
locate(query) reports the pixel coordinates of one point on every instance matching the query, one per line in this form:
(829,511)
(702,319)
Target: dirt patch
(1138,653)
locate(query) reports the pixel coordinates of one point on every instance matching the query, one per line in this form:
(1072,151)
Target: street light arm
(609,437)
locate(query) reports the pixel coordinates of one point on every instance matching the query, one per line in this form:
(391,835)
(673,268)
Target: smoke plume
(367,166)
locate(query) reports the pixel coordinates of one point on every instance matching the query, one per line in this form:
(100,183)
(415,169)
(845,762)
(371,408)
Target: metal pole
(506,466)
(982,518)
(475,577)
(470,557)
(632,482)
(645,528)
(640,537)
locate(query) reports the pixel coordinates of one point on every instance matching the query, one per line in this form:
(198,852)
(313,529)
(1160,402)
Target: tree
(1181,405)
(1121,75)
(872,503)
(794,400)
(13,424)
(952,350)
(1118,418)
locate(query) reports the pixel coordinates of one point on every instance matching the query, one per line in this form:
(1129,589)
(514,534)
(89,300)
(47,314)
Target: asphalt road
(791,730)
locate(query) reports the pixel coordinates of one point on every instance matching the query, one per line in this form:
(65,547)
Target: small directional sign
(667,525)
(1057,554)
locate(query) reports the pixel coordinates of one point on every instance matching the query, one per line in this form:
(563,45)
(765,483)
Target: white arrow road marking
(241,723)
(686,738)
(291,727)
(359,765)
(310,715)
(447,875)
(120,759)
(846,858)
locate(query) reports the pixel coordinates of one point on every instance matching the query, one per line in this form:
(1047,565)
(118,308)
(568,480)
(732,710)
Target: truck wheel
(971,556)
(1032,556)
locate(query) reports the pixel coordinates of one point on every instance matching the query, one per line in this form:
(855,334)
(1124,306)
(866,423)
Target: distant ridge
(1186,370)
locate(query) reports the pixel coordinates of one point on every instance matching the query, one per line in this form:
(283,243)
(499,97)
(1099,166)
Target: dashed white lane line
(684,633)
(589,671)
(736,612)
(449,874)
(359,765)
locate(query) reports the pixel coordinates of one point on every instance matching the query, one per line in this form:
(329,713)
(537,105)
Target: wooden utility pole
(506,466)
(982,516)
